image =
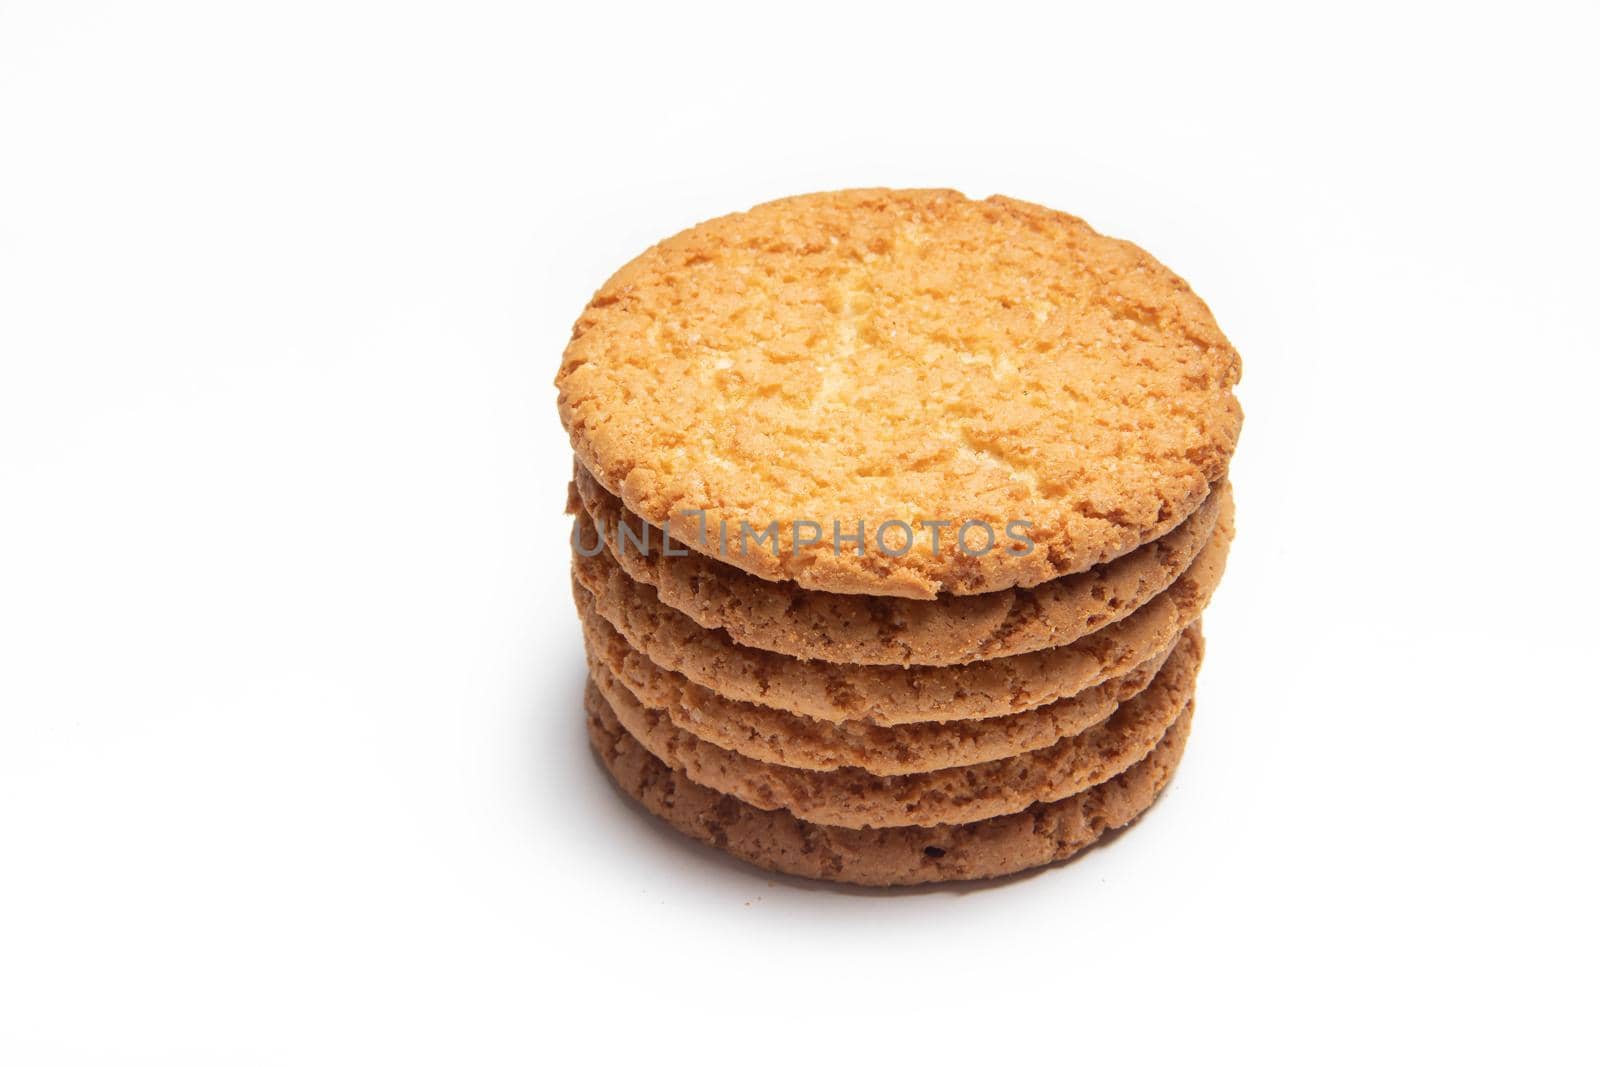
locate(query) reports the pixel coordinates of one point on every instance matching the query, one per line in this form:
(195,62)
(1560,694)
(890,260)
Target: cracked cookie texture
(855,798)
(783,617)
(779,737)
(893,695)
(876,356)
(903,855)
(890,703)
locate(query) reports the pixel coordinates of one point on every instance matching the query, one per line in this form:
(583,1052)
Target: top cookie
(887,360)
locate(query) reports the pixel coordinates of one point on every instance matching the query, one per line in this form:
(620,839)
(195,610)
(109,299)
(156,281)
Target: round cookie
(782,617)
(908,855)
(892,695)
(875,356)
(856,799)
(774,736)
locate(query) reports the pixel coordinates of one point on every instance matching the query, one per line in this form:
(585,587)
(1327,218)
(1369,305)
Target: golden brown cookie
(890,696)
(907,855)
(876,356)
(774,736)
(782,617)
(854,798)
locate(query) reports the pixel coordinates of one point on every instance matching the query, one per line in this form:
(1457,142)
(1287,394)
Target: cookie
(774,736)
(872,357)
(893,695)
(782,617)
(856,799)
(777,841)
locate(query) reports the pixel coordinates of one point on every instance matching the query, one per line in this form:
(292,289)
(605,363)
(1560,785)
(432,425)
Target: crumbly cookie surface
(906,355)
(841,628)
(910,855)
(856,799)
(892,695)
(774,736)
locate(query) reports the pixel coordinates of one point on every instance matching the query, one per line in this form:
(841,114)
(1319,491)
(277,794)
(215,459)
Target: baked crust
(855,798)
(774,736)
(892,695)
(842,628)
(906,855)
(880,355)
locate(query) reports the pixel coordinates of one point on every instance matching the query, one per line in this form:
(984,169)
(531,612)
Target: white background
(291,759)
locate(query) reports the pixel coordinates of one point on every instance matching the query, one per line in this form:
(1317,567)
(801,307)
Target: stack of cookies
(896,514)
